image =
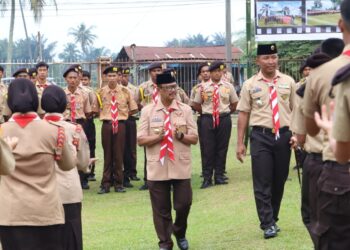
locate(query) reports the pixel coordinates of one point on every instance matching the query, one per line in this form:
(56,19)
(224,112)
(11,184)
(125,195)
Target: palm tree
(70,53)
(84,36)
(36,6)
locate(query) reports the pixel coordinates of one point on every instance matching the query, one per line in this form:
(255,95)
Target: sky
(124,22)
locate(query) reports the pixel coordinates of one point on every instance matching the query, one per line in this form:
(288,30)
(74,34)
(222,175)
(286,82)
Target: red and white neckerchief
(155,94)
(24,119)
(52,117)
(114,114)
(216,113)
(346,53)
(167,145)
(72,107)
(274,107)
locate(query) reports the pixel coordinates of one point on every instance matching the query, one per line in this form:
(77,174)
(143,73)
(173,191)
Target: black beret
(112,69)
(70,69)
(201,66)
(266,49)
(126,70)
(22,96)
(77,66)
(86,74)
(53,99)
(155,65)
(165,79)
(41,64)
(316,60)
(21,70)
(302,67)
(216,65)
(32,72)
(169,71)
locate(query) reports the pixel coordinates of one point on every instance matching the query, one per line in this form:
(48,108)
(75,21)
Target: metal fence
(186,70)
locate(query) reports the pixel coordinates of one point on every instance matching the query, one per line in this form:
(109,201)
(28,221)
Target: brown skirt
(72,229)
(31,237)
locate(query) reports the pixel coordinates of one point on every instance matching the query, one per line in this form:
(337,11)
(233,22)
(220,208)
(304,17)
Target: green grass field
(297,22)
(328,19)
(222,217)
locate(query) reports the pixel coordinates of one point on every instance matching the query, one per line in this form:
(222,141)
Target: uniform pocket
(156,128)
(283,94)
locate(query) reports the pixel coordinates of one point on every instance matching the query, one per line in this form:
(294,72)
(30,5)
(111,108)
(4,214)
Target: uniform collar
(53,117)
(347,47)
(116,89)
(23,119)
(261,77)
(68,91)
(174,105)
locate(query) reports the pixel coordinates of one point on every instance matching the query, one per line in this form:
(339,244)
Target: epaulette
(60,140)
(142,93)
(342,75)
(99,99)
(301,90)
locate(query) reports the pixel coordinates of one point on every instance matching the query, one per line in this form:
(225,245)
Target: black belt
(76,120)
(315,156)
(132,118)
(110,121)
(270,130)
(335,164)
(221,115)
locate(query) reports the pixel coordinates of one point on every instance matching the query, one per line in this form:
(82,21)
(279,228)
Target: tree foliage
(84,36)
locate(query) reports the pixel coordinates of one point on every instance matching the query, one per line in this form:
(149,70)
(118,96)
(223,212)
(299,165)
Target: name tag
(256,90)
(156,119)
(284,86)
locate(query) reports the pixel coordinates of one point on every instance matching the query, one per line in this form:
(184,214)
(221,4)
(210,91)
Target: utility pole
(40,58)
(26,32)
(228,37)
(249,38)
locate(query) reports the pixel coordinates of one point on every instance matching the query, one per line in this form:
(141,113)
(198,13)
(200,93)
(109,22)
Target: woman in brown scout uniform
(117,105)
(31,212)
(167,130)
(54,103)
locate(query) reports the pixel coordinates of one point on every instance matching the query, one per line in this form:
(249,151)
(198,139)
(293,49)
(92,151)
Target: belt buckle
(273,131)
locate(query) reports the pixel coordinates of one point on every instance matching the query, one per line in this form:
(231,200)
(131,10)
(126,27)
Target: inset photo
(322,12)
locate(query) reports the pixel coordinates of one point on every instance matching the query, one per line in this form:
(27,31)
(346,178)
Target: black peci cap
(165,79)
(216,65)
(266,49)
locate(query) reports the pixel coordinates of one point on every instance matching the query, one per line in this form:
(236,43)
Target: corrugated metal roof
(144,53)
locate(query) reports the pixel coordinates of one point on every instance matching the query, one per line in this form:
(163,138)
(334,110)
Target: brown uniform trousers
(113,152)
(130,159)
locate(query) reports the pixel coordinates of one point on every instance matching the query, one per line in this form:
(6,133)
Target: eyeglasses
(169,88)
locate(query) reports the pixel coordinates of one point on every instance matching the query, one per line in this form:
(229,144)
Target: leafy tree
(70,53)
(93,53)
(84,36)
(197,41)
(219,38)
(36,6)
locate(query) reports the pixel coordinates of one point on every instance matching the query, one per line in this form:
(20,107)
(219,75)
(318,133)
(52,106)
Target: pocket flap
(185,156)
(333,188)
(152,158)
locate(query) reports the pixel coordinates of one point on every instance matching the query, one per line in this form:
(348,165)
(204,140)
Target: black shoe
(120,190)
(224,177)
(91,178)
(134,178)
(206,184)
(128,185)
(270,232)
(277,228)
(182,243)
(103,191)
(220,182)
(85,186)
(144,187)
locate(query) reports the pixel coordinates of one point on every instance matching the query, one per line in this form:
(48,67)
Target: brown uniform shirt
(181,94)
(69,186)
(312,144)
(255,99)
(82,104)
(29,195)
(317,93)
(341,126)
(92,97)
(151,123)
(227,96)
(7,160)
(3,100)
(124,99)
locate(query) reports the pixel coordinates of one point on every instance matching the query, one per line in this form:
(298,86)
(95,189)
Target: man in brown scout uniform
(333,225)
(204,75)
(148,93)
(312,165)
(167,130)
(117,105)
(42,69)
(216,103)
(267,101)
(90,129)
(130,157)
